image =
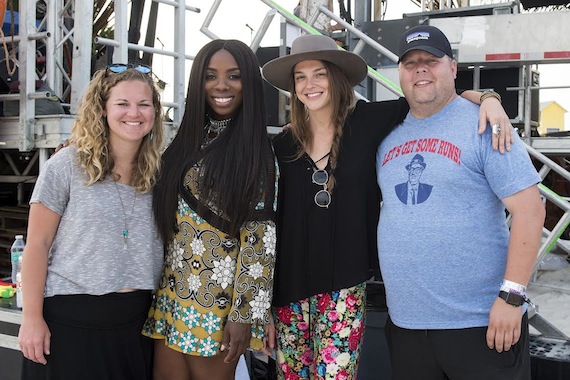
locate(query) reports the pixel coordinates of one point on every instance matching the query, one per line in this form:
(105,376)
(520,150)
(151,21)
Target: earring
(151,135)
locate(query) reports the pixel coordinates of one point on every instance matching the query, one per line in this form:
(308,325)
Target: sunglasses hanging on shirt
(322,197)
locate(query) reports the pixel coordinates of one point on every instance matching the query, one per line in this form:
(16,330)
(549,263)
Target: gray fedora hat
(279,71)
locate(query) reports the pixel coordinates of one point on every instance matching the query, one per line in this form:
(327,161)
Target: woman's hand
(270,337)
(236,339)
(61,146)
(34,338)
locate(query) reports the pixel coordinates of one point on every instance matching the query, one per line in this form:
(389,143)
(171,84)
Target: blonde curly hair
(90,132)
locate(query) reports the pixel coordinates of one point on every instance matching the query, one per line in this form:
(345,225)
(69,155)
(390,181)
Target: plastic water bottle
(16,252)
(19,290)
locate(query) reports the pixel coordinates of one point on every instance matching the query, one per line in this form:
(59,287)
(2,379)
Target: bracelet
(489,94)
(507,286)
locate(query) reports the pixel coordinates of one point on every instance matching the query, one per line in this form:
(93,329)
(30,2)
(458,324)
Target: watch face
(512,298)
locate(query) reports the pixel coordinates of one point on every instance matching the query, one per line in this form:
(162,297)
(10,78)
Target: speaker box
(264,55)
(541,3)
(375,358)
(499,79)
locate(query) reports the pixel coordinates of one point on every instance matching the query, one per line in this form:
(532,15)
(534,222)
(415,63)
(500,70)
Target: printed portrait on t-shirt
(413,192)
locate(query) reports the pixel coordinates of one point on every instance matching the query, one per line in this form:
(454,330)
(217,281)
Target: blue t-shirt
(442,236)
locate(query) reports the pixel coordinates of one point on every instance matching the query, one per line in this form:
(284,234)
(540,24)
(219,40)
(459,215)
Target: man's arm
(528,213)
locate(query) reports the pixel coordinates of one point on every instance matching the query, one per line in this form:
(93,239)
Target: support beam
(82,38)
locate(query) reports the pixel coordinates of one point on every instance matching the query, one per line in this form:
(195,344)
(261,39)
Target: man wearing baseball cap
(455,276)
(427,38)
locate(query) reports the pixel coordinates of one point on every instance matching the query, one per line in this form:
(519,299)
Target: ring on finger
(496,129)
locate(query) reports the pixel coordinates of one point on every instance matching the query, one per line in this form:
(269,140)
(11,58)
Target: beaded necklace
(126,218)
(213,128)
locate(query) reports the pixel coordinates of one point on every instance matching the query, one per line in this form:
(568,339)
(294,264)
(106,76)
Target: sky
(234,19)
(240,19)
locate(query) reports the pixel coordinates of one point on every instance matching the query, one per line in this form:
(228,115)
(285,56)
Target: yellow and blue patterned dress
(210,277)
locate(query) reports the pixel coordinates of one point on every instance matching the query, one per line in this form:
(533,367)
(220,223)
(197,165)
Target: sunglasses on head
(120,67)
(322,197)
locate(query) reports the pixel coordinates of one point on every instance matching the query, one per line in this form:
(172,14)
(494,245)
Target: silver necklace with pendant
(126,218)
(213,128)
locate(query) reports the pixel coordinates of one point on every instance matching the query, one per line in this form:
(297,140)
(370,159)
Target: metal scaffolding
(51,50)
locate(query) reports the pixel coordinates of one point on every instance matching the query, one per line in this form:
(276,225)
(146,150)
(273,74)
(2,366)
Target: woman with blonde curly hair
(93,255)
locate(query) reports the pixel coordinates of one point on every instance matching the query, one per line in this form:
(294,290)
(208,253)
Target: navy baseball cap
(427,38)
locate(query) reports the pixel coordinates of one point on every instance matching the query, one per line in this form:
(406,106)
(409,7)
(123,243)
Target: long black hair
(236,165)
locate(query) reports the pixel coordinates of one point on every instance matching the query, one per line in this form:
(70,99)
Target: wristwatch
(512,298)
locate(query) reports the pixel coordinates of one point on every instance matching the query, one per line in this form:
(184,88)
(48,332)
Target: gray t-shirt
(89,254)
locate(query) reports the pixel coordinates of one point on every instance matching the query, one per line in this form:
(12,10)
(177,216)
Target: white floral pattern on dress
(224,272)
(177,255)
(208,347)
(183,207)
(270,240)
(174,336)
(191,317)
(197,246)
(163,303)
(211,322)
(188,343)
(260,304)
(256,271)
(194,282)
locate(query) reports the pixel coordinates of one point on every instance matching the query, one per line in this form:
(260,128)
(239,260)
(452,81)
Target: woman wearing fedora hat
(328,206)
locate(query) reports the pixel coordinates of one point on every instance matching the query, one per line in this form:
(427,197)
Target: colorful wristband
(509,286)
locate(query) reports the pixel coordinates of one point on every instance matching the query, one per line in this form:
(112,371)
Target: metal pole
(81,66)
(121,54)
(476,77)
(206,24)
(262,29)
(145,49)
(179,61)
(26,74)
(178,4)
(282,98)
(527,96)
(53,77)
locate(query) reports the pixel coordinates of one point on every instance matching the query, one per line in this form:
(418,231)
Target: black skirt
(95,337)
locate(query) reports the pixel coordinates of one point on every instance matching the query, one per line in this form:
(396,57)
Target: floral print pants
(320,337)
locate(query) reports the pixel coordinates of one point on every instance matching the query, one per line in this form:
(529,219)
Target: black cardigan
(321,250)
